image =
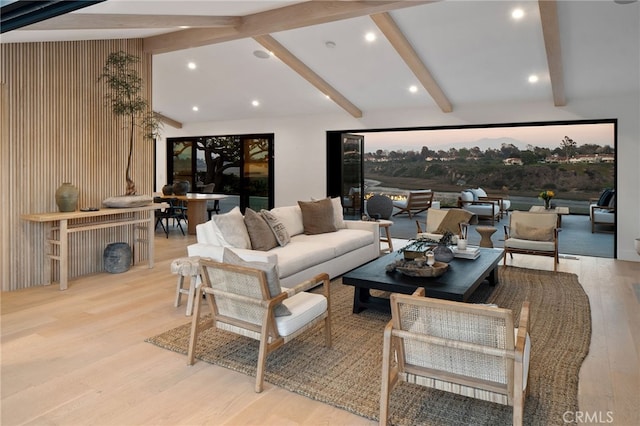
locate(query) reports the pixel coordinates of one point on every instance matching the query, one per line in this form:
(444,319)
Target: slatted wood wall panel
(56,127)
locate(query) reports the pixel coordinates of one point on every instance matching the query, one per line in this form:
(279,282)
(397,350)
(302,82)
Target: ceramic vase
(181,187)
(67,197)
(167,189)
(443,253)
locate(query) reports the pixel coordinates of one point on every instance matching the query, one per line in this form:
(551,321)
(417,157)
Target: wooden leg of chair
(327,331)
(193,340)
(262,360)
(386,379)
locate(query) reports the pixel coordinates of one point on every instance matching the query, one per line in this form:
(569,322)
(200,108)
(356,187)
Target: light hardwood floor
(78,357)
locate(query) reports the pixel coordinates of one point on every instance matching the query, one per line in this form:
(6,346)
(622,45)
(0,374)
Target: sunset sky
(542,136)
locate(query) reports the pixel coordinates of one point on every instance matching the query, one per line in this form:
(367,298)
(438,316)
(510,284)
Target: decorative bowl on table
(412,269)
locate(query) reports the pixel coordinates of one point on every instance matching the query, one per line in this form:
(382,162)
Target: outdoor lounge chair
(241,301)
(602,210)
(532,233)
(416,202)
(482,207)
(472,350)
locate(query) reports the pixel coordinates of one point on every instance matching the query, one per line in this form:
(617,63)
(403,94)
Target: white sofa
(353,244)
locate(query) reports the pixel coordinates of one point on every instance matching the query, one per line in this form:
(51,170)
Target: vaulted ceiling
(311,57)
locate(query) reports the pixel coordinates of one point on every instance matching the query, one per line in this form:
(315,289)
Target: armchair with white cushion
(483,207)
(472,350)
(532,233)
(245,298)
(439,221)
(602,211)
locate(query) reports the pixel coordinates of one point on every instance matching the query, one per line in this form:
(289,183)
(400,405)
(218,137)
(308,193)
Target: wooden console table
(60,225)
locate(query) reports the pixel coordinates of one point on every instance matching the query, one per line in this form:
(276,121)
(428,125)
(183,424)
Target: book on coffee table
(469,253)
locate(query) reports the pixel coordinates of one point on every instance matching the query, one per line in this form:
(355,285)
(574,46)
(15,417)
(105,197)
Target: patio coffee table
(458,283)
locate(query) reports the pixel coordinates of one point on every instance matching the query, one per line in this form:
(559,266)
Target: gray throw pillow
(260,234)
(278,229)
(317,216)
(271,272)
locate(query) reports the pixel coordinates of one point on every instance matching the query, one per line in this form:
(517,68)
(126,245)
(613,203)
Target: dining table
(196,207)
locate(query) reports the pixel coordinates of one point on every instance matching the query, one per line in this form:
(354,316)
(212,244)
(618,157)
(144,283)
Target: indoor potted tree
(124,95)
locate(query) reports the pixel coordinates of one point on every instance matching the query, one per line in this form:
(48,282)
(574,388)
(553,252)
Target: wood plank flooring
(78,357)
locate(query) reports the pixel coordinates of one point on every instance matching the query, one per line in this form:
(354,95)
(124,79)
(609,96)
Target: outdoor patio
(574,239)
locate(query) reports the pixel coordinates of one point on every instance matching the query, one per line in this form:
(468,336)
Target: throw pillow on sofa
(230,230)
(317,216)
(338,216)
(278,230)
(260,233)
(271,272)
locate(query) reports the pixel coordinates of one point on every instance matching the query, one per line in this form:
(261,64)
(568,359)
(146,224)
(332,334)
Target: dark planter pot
(181,187)
(167,189)
(117,258)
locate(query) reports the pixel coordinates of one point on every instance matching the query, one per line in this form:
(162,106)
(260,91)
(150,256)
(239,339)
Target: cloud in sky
(541,136)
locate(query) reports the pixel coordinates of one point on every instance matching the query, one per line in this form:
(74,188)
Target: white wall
(300,163)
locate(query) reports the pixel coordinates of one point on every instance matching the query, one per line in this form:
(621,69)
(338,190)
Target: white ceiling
(475,50)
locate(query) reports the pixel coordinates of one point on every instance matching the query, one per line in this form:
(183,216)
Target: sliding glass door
(235,165)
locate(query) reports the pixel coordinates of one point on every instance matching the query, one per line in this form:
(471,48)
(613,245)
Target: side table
(386,238)
(186,267)
(485,233)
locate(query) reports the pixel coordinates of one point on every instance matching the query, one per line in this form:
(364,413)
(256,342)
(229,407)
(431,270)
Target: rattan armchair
(472,350)
(240,302)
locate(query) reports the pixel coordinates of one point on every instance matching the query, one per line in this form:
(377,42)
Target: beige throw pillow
(230,229)
(271,272)
(532,233)
(277,228)
(317,216)
(260,233)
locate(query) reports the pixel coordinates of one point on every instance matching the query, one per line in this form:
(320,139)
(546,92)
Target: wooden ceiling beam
(551,34)
(285,18)
(392,32)
(82,21)
(307,73)
(170,121)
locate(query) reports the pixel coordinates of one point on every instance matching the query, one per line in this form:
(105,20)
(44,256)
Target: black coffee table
(458,283)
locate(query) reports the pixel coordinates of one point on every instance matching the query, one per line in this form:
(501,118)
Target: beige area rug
(348,375)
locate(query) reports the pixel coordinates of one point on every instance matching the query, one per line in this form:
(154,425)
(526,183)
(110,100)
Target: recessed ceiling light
(191,65)
(255,103)
(261,54)
(184,27)
(370,36)
(517,13)
(195,108)
(413,89)
(533,78)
